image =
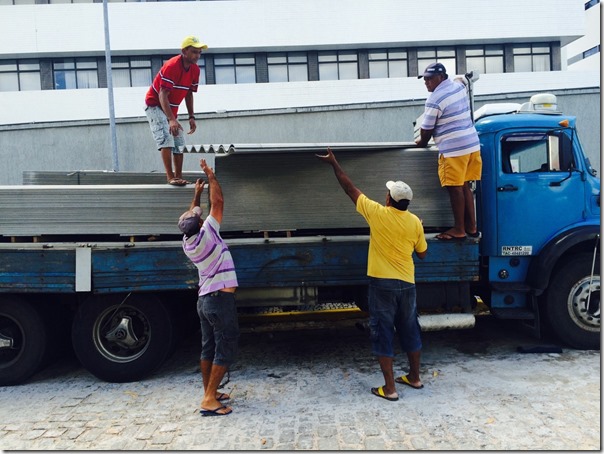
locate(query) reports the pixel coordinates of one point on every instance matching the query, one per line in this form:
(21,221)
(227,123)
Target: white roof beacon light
(541,103)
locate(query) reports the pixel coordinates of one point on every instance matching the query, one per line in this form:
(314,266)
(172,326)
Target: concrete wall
(86,145)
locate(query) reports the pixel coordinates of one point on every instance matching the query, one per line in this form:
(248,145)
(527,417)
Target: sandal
(177,182)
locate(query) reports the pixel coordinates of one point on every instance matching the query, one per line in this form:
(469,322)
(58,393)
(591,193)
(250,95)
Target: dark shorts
(219,327)
(392,308)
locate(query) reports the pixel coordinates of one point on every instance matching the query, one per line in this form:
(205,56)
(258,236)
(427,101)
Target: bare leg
(386,366)
(178,159)
(166,156)
(209,401)
(469,211)
(414,360)
(206,370)
(456,196)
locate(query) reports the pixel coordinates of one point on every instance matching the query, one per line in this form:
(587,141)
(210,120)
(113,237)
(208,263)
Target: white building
(275,70)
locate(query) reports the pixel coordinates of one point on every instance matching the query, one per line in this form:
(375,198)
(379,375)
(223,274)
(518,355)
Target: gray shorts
(219,327)
(160,129)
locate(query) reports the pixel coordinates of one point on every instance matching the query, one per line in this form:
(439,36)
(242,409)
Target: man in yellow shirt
(394,234)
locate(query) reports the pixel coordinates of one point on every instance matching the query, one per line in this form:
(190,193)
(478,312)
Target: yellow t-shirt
(394,236)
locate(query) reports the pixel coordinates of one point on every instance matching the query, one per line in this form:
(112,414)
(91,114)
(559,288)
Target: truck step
(510,287)
(440,322)
(513,313)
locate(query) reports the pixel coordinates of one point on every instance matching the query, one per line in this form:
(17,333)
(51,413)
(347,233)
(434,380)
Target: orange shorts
(455,171)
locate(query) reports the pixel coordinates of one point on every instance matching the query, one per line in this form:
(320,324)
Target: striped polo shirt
(447,112)
(210,254)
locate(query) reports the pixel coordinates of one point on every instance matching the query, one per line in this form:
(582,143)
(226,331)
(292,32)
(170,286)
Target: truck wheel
(569,314)
(23,341)
(122,340)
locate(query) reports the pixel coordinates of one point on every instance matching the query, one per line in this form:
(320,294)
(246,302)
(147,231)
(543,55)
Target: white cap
(399,190)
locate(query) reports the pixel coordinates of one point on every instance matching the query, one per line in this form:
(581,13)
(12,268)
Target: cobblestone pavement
(309,389)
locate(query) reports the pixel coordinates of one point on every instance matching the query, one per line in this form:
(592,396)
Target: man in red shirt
(177,79)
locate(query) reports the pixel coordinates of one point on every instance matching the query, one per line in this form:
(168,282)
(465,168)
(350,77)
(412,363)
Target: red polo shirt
(173,77)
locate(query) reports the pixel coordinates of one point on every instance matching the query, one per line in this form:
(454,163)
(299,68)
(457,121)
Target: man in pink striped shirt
(205,247)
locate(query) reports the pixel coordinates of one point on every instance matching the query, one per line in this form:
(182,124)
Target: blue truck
(122,305)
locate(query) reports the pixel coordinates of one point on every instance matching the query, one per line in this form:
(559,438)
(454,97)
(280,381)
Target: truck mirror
(560,151)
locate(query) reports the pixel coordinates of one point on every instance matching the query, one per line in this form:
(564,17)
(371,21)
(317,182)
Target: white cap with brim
(399,190)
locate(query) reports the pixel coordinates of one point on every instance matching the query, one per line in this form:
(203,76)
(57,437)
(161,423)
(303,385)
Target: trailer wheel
(570,315)
(23,341)
(122,340)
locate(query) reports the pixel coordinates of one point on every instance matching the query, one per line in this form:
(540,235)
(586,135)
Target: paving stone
(308,389)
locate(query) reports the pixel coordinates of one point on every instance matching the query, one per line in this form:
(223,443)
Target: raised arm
(349,188)
(216,198)
(199,185)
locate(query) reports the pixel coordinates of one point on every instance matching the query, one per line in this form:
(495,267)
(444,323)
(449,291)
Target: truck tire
(568,315)
(23,341)
(122,340)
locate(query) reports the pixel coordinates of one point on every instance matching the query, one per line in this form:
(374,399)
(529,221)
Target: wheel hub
(584,302)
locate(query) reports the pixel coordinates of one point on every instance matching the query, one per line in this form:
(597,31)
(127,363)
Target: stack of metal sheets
(296,191)
(87,177)
(267,188)
(126,210)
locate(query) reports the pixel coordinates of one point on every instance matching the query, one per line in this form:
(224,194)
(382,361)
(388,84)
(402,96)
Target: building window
(235,69)
(485,59)
(388,63)
(339,65)
(591,3)
(532,58)
(17,2)
(202,73)
(287,67)
(71,73)
(444,55)
(19,75)
(131,71)
(593,51)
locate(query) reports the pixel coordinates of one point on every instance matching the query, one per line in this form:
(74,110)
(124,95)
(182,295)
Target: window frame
(18,71)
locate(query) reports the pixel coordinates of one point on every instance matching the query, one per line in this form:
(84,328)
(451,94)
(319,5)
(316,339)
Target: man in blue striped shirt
(448,119)
(216,308)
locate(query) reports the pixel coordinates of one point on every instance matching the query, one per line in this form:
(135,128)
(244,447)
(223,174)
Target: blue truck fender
(541,267)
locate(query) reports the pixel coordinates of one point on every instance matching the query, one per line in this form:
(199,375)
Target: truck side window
(527,153)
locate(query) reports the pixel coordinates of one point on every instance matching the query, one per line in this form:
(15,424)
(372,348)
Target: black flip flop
(214,412)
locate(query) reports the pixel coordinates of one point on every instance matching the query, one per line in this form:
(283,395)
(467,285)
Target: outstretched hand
(329,158)
(206,168)
(199,185)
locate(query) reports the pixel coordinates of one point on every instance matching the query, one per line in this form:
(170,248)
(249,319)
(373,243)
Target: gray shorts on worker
(160,128)
(392,306)
(219,327)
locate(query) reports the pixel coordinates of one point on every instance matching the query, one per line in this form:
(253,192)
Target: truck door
(538,193)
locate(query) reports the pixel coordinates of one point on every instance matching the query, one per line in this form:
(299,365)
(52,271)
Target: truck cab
(538,208)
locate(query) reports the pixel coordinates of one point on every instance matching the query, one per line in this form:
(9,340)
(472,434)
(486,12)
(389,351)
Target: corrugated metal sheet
(274,187)
(294,191)
(92,209)
(293,147)
(103,177)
